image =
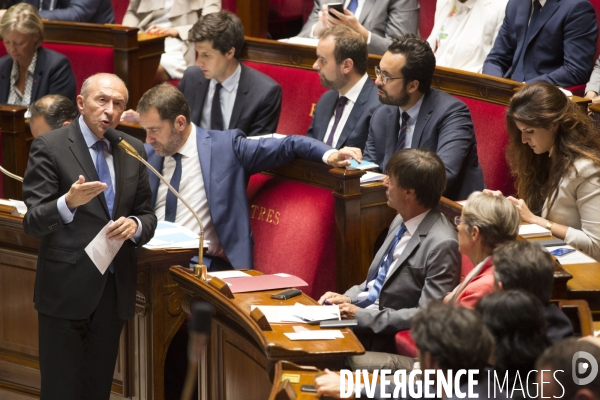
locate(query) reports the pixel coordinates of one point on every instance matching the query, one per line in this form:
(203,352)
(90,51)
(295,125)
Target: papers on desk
(532,231)
(103,250)
(315,335)
(301,40)
(264,282)
(576,257)
(299,313)
(228,274)
(372,177)
(364,164)
(17,207)
(170,235)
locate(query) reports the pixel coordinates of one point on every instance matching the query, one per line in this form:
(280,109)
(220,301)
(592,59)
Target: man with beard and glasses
(210,170)
(415,115)
(343,114)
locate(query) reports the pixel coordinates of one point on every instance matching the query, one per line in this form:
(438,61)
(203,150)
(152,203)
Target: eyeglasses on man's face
(385,78)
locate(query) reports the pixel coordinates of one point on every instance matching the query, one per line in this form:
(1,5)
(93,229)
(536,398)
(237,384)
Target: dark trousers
(78,357)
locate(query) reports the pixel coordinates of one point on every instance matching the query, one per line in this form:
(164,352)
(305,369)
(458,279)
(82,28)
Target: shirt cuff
(369,38)
(138,234)
(66,215)
(312,32)
(327,154)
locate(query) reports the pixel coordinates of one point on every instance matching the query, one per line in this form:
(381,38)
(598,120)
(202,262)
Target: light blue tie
(104,175)
(384,267)
(352,6)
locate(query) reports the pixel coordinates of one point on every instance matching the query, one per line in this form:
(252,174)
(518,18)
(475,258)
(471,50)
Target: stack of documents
(299,313)
(576,257)
(169,235)
(263,282)
(532,231)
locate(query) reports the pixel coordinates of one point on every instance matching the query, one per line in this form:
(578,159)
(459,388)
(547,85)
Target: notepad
(372,177)
(364,164)
(533,231)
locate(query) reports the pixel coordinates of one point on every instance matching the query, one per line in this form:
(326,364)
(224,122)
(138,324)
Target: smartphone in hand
(339,7)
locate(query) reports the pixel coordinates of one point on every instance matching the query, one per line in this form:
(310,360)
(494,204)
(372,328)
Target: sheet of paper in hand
(103,250)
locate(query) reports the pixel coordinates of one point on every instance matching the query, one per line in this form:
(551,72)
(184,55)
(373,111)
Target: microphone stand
(10,174)
(113,136)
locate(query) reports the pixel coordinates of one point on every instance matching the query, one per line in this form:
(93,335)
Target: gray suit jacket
(383,18)
(257,103)
(428,269)
(355,131)
(444,125)
(594,83)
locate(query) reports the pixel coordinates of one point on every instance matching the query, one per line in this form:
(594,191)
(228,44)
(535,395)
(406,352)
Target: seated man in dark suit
(418,261)
(545,40)
(94,11)
(376,21)
(211,168)
(51,112)
(415,115)
(526,266)
(343,114)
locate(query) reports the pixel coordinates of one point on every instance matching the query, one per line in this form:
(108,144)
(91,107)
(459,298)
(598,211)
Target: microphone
(10,174)
(199,330)
(115,139)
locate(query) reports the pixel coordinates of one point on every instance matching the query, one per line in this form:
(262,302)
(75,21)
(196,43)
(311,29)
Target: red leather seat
(426,17)
(119,7)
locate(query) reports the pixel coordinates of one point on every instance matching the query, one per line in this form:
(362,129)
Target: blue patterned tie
(171,205)
(104,174)
(352,6)
(384,268)
(402,133)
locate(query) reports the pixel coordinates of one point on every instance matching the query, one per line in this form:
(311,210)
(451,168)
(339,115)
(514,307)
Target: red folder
(264,282)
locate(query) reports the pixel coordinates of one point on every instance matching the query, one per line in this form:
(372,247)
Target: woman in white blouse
(554,152)
(464,32)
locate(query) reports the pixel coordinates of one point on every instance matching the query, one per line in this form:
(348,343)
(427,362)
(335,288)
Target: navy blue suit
(561,50)
(227,159)
(94,11)
(257,102)
(355,131)
(53,75)
(444,126)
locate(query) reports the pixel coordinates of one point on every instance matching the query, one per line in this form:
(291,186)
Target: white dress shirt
(191,188)
(228,95)
(413,113)
(411,227)
(352,96)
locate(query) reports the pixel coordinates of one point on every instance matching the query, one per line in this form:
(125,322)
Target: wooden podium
(241,355)
(144,342)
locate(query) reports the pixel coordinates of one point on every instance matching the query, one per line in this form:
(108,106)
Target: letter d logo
(580,368)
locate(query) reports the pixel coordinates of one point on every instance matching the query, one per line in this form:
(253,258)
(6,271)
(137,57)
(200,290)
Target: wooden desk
(239,351)
(306,376)
(145,339)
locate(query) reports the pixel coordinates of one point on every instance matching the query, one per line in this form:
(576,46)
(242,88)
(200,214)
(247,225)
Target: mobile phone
(288,294)
(339,7)
(561,252)
(308,388)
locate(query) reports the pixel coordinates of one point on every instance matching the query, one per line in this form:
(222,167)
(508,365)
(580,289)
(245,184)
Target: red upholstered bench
(293,226)
(301,89)
(426,17)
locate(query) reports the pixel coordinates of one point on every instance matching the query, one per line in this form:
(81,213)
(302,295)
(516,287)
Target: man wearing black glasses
(416,116)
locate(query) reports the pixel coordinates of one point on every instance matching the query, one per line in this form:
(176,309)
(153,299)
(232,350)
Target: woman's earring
(551,151)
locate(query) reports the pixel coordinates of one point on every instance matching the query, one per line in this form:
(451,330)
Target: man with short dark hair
(223,93)
(51,112)
(343,114)
(562,363)
(527,266)
(210,169)
(415,115)
(418,261)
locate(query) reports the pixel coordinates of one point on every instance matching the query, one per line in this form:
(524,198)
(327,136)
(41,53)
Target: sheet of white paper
(21,207)
(314,335)
(575,257)
(228,274)
(300,328)
(533,230)
(274,314)
(103,250)
(372,177)
(170,235)
(301,40)
(316,313)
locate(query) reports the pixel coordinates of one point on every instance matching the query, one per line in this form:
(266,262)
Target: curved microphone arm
(116,139)
(10,174)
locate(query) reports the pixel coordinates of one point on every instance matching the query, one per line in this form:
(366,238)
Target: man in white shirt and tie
(418,261)
(342,115)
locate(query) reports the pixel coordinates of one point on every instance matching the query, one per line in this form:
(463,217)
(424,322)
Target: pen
(326,303)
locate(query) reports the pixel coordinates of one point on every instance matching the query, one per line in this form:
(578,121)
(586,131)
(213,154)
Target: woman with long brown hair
(554,153)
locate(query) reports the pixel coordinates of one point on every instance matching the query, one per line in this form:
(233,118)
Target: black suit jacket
(53,75)
(68,284)
(257,103)
(355,131)
(444,126)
